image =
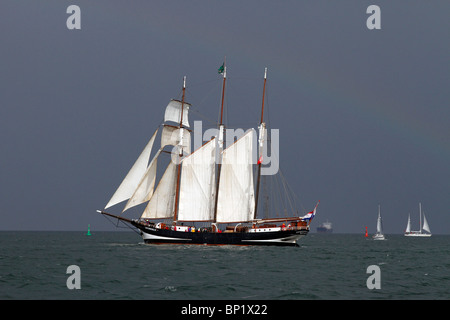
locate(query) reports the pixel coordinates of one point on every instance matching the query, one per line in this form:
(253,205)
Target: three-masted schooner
(213,185)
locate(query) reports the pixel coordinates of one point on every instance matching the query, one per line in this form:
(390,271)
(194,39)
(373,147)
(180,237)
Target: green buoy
(89,230)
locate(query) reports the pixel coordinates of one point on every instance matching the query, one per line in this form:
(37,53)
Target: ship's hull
(417,234)
(378,236)
(272,238)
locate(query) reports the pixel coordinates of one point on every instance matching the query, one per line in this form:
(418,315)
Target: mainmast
(180,154)
(221,134)
(420,217)
(261,145)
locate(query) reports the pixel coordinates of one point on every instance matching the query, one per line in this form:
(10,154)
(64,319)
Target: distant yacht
(379,235)
(424,229)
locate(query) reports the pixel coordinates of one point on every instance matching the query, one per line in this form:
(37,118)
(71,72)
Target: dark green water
(117,265)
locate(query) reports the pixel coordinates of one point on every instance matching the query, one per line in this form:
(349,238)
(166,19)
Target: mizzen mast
(262,130)
(221,137)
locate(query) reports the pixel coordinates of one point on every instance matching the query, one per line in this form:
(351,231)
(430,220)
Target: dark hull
(274,238)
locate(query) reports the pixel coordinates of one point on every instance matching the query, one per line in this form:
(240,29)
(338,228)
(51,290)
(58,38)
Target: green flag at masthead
(220,70)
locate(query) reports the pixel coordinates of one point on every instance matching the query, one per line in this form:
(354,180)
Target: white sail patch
(144,190)
(161,204)
(197,184)
(173,112)
(236,198)
(134,176)
(173,135)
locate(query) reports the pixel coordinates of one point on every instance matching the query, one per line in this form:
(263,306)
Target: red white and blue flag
(310,215)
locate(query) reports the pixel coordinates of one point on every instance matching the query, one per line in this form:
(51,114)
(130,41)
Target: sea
(119,266)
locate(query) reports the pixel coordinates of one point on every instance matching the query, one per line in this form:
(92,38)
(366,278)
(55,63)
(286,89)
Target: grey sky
(363,114)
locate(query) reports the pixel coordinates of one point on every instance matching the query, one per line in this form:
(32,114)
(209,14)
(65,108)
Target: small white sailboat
(379,235)
(424,229)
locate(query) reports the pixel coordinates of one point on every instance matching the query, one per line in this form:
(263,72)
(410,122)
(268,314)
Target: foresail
(173,112)
(197,184)
(426,227)
(236,198)
(144,191)
(161,204)
(134,176)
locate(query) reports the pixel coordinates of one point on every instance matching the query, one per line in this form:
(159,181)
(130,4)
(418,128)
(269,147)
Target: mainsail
(379,223)
(236,199)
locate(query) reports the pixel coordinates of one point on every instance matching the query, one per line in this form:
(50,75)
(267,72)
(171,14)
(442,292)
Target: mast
(180,154)
(420,217)
(221,133)
(261,143)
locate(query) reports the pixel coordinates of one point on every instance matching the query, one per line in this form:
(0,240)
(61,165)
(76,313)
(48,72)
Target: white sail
(173,135)
(161,204)
(196,202)
(173,112)
(134,176)
(408,226)
(379,224)
(379,235)
(144,191)
(236,199)
(426,227)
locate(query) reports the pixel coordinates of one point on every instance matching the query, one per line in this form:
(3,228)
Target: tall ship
(424,230)
(209,196)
